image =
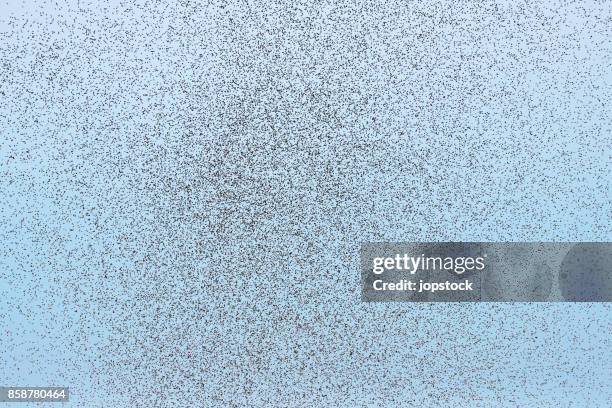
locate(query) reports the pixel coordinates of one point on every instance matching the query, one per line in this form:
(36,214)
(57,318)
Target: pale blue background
(184,188)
